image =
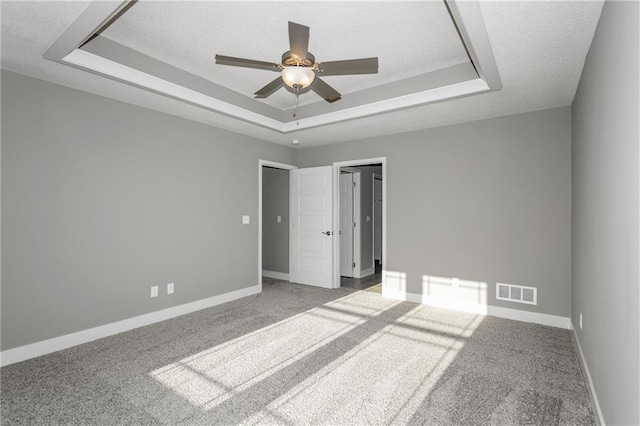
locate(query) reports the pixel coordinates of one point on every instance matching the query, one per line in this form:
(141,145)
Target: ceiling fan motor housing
(289,60)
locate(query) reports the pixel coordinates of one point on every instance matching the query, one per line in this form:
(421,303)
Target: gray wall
(275,236)
(101,200)
(605,212)
(486,201)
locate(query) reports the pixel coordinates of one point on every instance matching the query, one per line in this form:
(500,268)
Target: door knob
(328,233)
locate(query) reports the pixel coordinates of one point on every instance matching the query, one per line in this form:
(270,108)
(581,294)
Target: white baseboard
(586,370)
(11,356)
(275,275)
(364,272)
(527,316)
(475,308)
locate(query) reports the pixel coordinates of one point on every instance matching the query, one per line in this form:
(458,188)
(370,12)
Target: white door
(312,226)
(346,224)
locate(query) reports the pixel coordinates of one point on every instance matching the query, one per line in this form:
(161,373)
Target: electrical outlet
(580,320)
(170,288)
(154,291)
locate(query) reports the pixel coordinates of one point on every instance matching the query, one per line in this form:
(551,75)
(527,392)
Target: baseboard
(22,353)
(275,275)
(364,272)
(475,308)
(527,316)
(592,389)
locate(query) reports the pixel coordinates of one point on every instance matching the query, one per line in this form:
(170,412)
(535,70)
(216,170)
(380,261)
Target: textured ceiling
(539,49)
(189,38)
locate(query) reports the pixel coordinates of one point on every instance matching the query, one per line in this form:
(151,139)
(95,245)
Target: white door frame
(357,232)
(282,166)
(336,212)
(373,222)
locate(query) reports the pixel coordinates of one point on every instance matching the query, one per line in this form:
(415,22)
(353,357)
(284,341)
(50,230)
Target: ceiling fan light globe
(298,76)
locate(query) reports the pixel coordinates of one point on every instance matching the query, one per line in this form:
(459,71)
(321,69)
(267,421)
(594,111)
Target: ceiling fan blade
(269,88)
(246,63)
(323,89)
(350,66)
(298,40)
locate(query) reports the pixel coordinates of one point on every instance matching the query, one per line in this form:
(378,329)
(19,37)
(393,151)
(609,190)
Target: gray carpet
(302,355)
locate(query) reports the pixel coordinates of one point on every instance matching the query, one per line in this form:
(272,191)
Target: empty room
(320,212)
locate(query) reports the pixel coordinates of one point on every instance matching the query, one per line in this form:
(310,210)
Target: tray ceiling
(520,56)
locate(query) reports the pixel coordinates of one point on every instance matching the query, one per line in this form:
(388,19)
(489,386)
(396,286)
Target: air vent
(517,293)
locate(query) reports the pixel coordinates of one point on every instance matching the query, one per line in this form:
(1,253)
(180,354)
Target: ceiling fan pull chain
(296,105)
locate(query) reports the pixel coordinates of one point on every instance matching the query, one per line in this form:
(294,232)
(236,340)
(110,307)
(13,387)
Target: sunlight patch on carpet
(211,377)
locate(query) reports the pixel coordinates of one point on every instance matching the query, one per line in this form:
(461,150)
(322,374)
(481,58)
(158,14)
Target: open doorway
(360,225)
(273,222)
(313,188)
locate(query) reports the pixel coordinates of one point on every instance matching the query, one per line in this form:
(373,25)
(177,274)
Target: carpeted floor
(301,355)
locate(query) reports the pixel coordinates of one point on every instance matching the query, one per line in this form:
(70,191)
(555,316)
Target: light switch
(279,219)
(245,220)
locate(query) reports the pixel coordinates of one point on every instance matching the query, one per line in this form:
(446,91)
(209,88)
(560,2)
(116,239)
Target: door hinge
(354,264)
(354,184)
(354,224)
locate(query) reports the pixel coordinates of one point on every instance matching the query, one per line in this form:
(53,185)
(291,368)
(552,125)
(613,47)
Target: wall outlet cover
(154,291)
(580,320)
(245,220)
(170,288)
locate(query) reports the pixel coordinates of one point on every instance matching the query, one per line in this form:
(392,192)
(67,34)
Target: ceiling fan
(299,68)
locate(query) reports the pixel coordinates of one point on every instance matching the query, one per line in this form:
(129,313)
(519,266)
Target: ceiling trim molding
(465,14)
(438,94)
(421,83)
(88,61)
(468,19)
(91,21)
(118,53)
(117,71)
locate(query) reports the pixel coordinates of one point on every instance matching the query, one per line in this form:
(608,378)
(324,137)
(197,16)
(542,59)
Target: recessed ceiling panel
(409,38)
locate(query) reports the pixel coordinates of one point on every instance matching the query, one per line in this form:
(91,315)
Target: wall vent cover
(517,293)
